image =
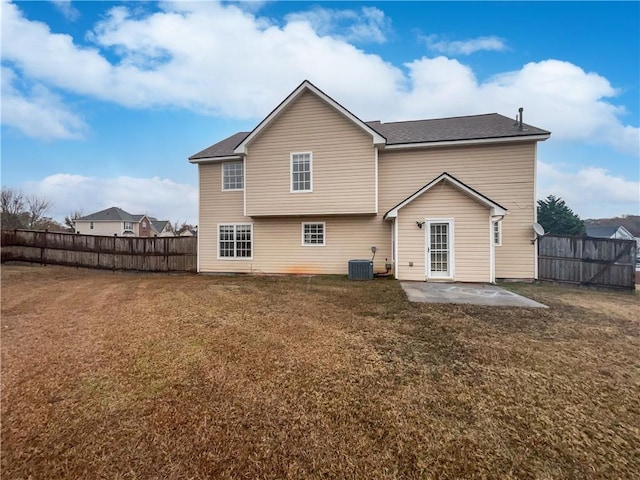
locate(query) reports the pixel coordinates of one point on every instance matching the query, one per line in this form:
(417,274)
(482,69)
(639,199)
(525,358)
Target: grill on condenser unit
(360,270)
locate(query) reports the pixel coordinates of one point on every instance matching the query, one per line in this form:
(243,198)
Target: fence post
(43,248)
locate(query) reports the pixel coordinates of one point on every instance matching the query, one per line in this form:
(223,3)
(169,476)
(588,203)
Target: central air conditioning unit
(360,270)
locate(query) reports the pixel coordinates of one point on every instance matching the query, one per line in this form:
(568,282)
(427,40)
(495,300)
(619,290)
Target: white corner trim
(244,190)
(375,149)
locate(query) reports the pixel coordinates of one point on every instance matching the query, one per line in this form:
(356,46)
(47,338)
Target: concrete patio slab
(467,293)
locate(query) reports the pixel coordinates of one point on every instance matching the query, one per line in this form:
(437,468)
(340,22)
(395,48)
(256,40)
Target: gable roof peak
(306,85)
(496,208)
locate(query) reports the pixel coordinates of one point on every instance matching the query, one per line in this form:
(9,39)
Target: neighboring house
(613,231)
(313,186)
(189,232)
(161,228)
(115,221)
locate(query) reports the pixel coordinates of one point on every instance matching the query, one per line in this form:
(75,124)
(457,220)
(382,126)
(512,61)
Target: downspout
(395,248)
(535,209)
(492,220)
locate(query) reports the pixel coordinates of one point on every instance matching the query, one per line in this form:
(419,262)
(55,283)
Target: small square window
(232,176)
(313,234)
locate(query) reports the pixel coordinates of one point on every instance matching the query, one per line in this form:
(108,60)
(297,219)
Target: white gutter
(215,159)
(480,141)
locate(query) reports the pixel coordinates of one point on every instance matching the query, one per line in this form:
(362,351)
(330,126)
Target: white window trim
(218,241)
(291,190)
(452,259)
(324,234)
(493,233)
(222,177)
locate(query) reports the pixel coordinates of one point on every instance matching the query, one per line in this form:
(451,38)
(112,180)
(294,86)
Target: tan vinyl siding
(216,206)
(346,238)
(277,242)
(471,234)
(343,163)
(100,228)
(504,173)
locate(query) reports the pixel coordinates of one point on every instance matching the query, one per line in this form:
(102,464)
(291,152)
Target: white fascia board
(216,159)
(495,208)
(479,141)
(306,85)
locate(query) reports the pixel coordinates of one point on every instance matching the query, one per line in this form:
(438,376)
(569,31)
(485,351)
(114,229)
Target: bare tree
(70,220)
(175,227)
(11,201)
(178,228)
(36,208)
(12,204)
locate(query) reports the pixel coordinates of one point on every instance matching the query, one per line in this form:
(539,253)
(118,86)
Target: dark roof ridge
(437,118)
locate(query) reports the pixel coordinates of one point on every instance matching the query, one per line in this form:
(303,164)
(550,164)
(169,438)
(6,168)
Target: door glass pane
(439,248)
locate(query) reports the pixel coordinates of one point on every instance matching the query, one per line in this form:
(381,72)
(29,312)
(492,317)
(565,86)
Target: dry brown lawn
(127,376)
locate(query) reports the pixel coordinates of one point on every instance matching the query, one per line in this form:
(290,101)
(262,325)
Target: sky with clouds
(102,102)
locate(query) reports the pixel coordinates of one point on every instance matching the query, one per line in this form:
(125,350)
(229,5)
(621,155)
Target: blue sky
(102,102)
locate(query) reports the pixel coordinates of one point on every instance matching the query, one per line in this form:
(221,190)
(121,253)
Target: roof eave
(496,208)
(214,159)
(474,141)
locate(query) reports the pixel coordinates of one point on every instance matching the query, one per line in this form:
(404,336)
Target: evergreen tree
(556,217)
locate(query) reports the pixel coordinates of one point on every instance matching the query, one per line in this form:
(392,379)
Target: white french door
(439,248)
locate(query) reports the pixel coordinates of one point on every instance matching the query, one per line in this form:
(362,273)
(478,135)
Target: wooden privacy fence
(150,254)
(590,261)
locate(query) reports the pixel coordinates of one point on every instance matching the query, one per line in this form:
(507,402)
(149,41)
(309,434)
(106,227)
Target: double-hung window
(313,234)
(232,176)
(301,172)
(128,226)
(235,241)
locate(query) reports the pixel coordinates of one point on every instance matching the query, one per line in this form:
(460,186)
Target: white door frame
(449,275)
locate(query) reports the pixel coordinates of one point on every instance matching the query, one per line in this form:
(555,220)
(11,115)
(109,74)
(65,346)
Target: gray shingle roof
(223,148)
(602,232)
(113,214)
(158,225)
(473,127)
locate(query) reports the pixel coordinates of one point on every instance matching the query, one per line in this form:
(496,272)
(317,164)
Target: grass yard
(126,376)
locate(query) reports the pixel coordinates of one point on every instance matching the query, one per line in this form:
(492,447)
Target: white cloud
(158,197)
(590,192)
(557,96)
(218,59)
(463,47)
(38,114)
(70,12)
(367,25)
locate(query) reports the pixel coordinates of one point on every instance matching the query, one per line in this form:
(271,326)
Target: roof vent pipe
(520,110)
